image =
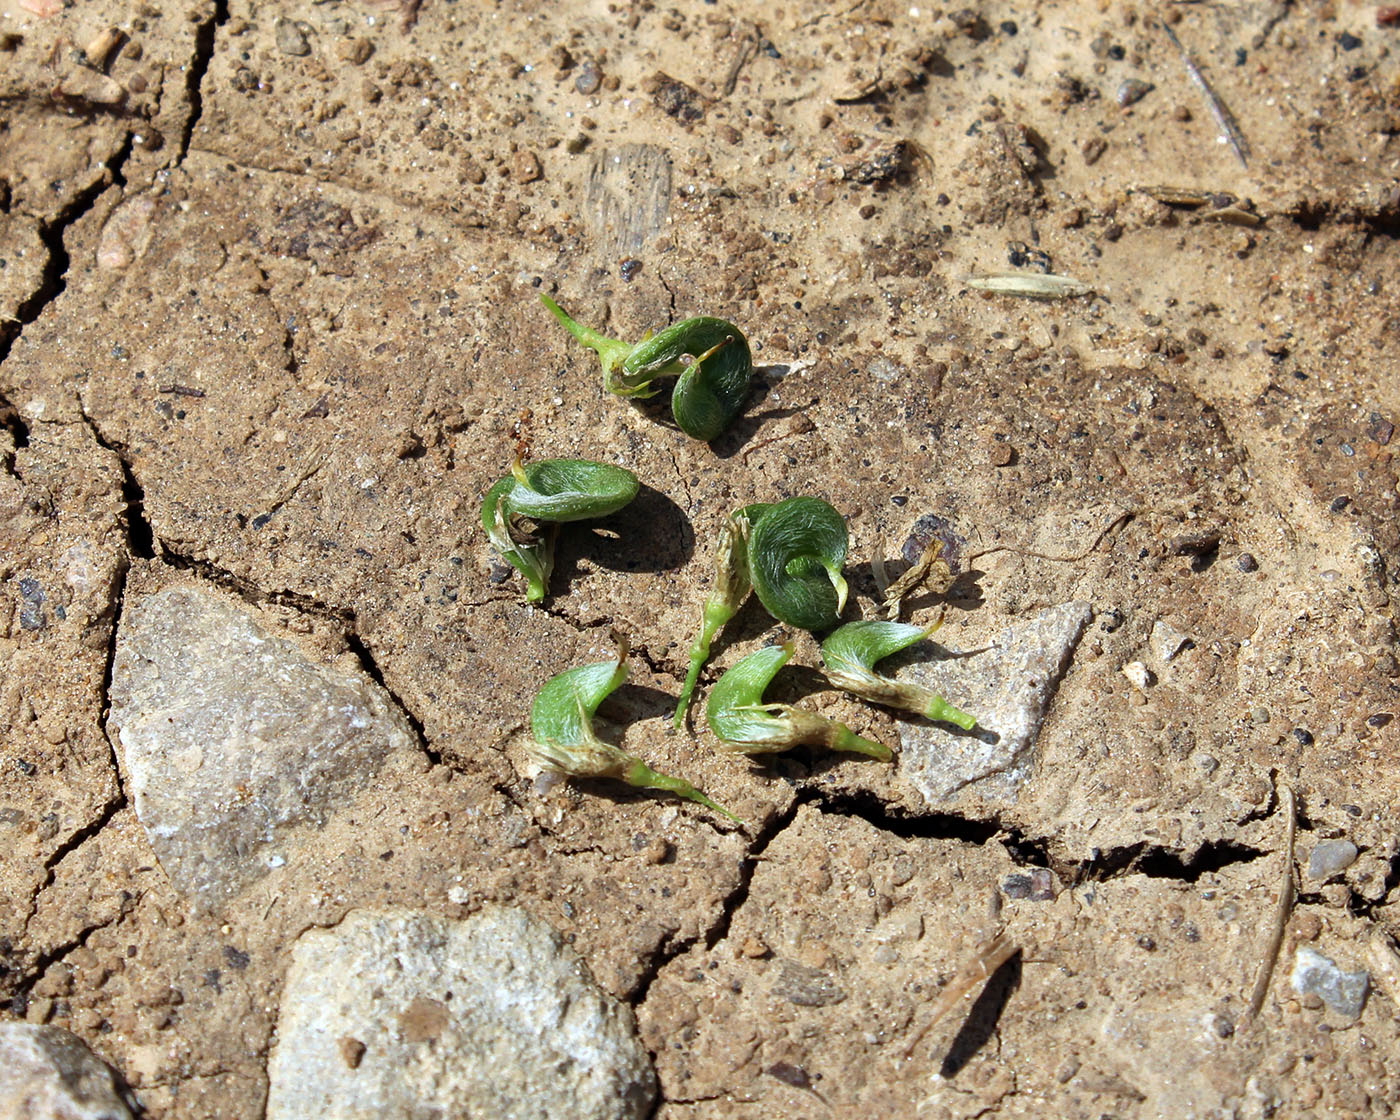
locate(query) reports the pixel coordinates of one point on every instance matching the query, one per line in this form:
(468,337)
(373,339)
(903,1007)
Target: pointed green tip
(838,582)
(642,776)
(555,309)
(859,745)
(943,711)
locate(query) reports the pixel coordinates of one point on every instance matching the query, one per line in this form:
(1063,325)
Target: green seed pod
(744,723)
(796,549)
(709,391)
(520,513)
(850,655)
(561,722)
(731,587)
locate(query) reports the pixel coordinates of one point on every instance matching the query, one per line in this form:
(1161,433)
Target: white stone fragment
(46,1073)
(1008,689)
(1168,641)
(1139,675)
(399,1014)
(1343,992)
(233,738)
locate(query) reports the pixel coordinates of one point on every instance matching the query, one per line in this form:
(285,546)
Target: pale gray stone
(397,1014)
(1168,641)
(1330,857)
(1008,688)
(1343,992)
(233,737)
(46,1073)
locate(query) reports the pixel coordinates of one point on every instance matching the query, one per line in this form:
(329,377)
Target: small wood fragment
(977,969)
(1282,910)
(1229,128)
(1031,286)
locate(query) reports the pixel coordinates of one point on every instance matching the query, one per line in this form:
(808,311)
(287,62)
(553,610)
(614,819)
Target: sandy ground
(269,327)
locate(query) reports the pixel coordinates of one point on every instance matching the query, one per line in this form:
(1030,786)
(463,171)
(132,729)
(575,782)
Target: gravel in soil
(269,327)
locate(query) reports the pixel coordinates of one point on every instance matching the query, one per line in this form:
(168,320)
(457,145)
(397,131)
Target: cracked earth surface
(269,327)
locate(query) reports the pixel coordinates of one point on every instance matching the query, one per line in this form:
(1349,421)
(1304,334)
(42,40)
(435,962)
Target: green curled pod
(730,589)
(850,655)
(561,723)
(710,390)
(796,549)
(743,723)
(520,512)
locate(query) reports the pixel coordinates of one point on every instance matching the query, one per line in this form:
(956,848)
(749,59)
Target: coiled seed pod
(803,546)
(850,655)
(561,723)
(744,723)
(521,511)
(710,390)
(796,549)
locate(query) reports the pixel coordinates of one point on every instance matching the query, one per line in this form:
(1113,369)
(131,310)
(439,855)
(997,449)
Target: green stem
(642,776)
(611,351)
(717,612)
(940,709)
(844,739)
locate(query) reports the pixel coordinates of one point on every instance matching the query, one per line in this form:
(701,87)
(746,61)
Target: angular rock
(398,1013)
(1343,992)
(1008,688)
(233,737)
(1168,641)
(1330,857)
(46,1073)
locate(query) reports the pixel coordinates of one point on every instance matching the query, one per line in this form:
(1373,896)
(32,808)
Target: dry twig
(1223,117)
(1282,910)
(979,968)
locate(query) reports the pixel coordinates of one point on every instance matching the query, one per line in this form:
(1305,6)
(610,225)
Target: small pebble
(1139,675)
(1316,975)
(1246,562)
(589,77)
(1331,857)
(1303,735)
(1347,41)
(1132,91)
(291,39)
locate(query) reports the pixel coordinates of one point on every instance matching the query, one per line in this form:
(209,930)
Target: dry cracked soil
(270,326)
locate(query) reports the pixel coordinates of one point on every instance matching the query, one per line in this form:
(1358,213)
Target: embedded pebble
(1167,640)
(1330,857)
(233,737)
(1316,975)
(1008,688)
(403,1013)
(1133,90)
(46,1073)
(126,235)
(291,38)
(1139,675)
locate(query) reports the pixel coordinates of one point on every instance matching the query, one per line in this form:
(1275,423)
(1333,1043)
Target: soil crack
(53,280)
(718,929)
(1152,860)
(199,68)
